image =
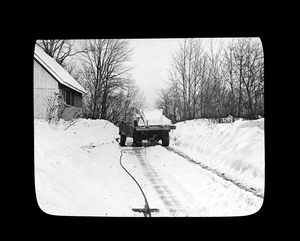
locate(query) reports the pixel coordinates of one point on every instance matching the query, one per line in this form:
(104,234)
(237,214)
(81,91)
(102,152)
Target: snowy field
(77,170)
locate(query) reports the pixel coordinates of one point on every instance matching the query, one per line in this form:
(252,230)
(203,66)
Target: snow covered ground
(182,189)
(77,170)
(235,149)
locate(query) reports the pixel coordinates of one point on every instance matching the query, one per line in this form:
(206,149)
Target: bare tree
(124,103)
(104,69)
(253,80)
(187,76)
(59,49)
(248,68)
(215,79)
(229,77)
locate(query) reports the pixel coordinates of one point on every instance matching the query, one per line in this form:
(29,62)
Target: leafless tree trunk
(186,75)
(248,57)
(105,69)
(228,74)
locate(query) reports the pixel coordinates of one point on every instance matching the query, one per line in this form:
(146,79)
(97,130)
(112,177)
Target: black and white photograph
(149,127)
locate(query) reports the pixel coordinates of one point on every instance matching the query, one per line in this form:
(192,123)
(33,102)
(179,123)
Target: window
(69,97)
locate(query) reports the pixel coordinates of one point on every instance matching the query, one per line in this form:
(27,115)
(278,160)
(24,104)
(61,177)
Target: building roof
(59,73)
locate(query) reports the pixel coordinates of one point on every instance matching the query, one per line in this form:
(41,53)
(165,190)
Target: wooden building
(51,81)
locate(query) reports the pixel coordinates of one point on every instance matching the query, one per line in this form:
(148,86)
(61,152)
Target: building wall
(69,112)
(77,99)
(44,86)
(77,95)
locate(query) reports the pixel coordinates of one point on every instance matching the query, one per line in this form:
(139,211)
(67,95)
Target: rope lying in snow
(72,123)
(91,145)
(146,209)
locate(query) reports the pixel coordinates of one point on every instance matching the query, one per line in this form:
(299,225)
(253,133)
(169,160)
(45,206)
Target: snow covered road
(179,188)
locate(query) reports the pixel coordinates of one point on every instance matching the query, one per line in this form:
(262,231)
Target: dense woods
(207,80)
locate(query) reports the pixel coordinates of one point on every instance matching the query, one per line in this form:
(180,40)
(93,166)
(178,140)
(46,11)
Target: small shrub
(52,107)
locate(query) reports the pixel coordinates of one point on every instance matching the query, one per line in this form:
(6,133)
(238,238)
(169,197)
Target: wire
(146,210)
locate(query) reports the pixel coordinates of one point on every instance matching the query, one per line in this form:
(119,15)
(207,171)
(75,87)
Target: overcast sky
(151,59)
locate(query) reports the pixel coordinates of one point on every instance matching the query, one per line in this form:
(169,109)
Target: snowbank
(235,149)
(75,170)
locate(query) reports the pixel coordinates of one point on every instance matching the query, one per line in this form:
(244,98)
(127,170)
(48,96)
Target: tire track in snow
(256,192)
(174,207)
(146,209)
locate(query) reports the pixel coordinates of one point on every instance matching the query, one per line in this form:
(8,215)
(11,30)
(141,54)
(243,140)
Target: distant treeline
(215,82)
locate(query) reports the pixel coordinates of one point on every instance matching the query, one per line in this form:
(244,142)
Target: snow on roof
(60,74)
